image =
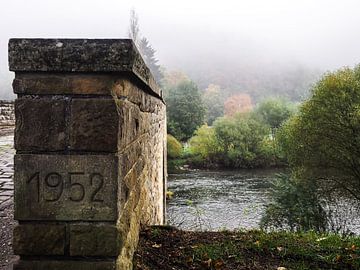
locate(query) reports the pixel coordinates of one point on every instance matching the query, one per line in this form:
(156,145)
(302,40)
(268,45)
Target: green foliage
(185,110)
(241,141)
(295,206)
(214,103)
(275,111)
(322,141)
(204,144)
(174,147)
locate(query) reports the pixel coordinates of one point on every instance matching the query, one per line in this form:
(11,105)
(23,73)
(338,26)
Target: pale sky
(320,33)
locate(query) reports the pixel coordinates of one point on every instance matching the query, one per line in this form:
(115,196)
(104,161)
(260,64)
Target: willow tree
(322,142)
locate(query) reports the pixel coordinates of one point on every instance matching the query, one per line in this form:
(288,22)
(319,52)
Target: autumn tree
(238,104)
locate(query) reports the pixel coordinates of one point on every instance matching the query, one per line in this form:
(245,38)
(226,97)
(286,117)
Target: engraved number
(53,181)
(98,187)
(79,188)
(37,177)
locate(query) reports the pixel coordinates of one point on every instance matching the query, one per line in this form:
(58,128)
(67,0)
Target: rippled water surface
(214,200)
(218,199)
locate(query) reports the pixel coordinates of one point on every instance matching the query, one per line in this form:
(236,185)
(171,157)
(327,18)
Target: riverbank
(166,248)
(181,165)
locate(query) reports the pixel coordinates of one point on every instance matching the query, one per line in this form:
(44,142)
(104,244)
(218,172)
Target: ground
(7,222)
(167,248)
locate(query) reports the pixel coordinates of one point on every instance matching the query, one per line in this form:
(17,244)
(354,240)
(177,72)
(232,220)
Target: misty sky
(319,33)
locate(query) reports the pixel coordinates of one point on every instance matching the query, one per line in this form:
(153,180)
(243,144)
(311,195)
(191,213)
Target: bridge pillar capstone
(90,152)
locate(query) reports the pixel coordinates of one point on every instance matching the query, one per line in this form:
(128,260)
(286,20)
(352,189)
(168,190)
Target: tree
(238,104)
(143,44)
(240,140)
(148,54)
(134,32)
(171,79)
(214,103)
(274,112)
(296,206)
(322,142)
(185,110)
(204,145)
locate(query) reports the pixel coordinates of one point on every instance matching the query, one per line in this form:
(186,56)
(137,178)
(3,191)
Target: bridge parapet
(90,162)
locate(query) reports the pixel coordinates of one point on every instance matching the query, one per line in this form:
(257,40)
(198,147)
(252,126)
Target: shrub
(174,147)
(322,141)
(296,206)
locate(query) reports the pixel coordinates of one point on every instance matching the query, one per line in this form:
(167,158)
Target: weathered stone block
(94,125)
(129,156)
(64,84)
(39,239)
(40,124)
(65,265)
(131,124)
(80,55)
(93,240)
(65,187)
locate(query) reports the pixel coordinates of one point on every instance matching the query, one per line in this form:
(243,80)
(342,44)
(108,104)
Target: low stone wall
(90,152)
(7,116)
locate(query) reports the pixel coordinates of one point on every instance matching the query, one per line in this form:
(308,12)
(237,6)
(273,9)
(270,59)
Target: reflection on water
(219,199)
(216,200)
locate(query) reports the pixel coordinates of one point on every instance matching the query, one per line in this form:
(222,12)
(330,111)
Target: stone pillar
(90,142)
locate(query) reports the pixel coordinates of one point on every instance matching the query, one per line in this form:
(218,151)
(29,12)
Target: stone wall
(7,116)
(90,152)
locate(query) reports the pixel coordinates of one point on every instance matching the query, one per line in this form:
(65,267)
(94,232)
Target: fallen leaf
(354,256)
(156,245)
(189,260)
(207,263)
(281,268)
(218,264)
(205,256)
(321,239)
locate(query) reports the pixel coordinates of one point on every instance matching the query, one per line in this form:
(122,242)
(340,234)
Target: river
(215,200)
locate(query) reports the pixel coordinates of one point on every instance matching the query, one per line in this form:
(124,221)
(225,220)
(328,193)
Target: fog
(247,38)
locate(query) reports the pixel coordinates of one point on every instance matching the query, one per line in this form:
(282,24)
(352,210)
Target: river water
(215,200)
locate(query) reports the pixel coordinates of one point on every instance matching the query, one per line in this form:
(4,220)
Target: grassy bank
(167,248)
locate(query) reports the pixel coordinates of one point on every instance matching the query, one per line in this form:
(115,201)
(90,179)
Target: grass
(169,248)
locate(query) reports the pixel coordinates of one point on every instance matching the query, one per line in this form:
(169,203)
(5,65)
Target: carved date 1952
(51,187)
